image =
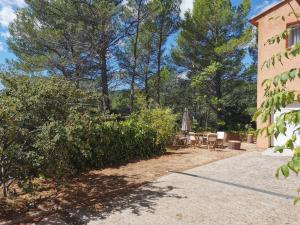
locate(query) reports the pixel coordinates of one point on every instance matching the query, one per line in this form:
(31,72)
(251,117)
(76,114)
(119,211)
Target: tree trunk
(132,85)
(206,120)
(104,80)
(147,75)
(218,86)
(147,89)
(3,181)
(4,189)
(158,85)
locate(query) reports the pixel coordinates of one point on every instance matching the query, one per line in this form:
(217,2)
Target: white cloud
(1,47)
(5,34)
(7,10)
(7,15)
(17,3)
(185,6)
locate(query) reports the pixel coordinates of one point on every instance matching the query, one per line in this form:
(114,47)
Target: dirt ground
(93,190)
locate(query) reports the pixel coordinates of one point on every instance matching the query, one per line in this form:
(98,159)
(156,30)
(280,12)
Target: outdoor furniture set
(208,140)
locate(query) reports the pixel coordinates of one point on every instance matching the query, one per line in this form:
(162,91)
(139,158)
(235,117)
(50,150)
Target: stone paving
(241,190)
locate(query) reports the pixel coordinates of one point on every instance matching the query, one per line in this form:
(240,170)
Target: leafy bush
(96,144)
(49,127)
(29,108)
(160,119)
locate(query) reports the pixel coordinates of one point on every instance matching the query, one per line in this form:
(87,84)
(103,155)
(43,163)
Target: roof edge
(254,20)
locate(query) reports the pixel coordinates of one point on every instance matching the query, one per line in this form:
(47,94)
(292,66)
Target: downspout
(294,11)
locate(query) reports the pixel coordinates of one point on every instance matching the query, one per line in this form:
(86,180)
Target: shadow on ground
(97,196)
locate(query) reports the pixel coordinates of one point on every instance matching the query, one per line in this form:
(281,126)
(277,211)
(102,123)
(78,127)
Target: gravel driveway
(236,191)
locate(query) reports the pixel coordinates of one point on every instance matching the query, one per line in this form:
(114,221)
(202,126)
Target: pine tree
(73,38)
(166,22)
(129,53)
(211,46)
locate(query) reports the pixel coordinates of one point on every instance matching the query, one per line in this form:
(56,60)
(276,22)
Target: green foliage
(51,128)
(54,35)
(69,38)
(120,101)
(30,108)
(165,22)
(160,119)
(200,80)
(211,47)
(111,44)
(96,144)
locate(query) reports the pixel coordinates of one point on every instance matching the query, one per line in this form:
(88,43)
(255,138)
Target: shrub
(33,114)
(49,127)
(162,120)
(95,144)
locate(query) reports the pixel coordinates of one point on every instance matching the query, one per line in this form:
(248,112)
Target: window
(294,36)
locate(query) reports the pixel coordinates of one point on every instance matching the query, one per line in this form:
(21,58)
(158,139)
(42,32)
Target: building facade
(269,24)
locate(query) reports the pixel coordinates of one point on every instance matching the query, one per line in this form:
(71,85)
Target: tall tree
(147,57)
(211,47)
(166,22)
(106,25)
(135,55)
(74,38)
(43,40)
(128,55)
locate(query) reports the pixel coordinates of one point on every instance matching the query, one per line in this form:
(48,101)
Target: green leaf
(297,151)
(296,164)
(277,172)
(296,200)
(292,74)
(284,78)
(282,129)
(271,129)
(290,144)
(291,166)
(285,170)
(279,149)
(276,81)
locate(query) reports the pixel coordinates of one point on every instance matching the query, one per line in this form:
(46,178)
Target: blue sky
(8,7)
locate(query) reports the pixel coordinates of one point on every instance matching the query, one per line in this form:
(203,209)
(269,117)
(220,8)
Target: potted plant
(250,135)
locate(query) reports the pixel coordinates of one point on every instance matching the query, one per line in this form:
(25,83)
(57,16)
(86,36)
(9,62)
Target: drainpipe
(294,11)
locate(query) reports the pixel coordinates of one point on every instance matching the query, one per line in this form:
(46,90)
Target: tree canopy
(211,47)
(122,48)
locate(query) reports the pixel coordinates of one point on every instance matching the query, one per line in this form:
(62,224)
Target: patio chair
(192,138)
(199,139)
(180,141)
(220,139)
(176,141)
(212,141)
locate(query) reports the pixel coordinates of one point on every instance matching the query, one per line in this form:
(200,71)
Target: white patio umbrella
(186,122)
